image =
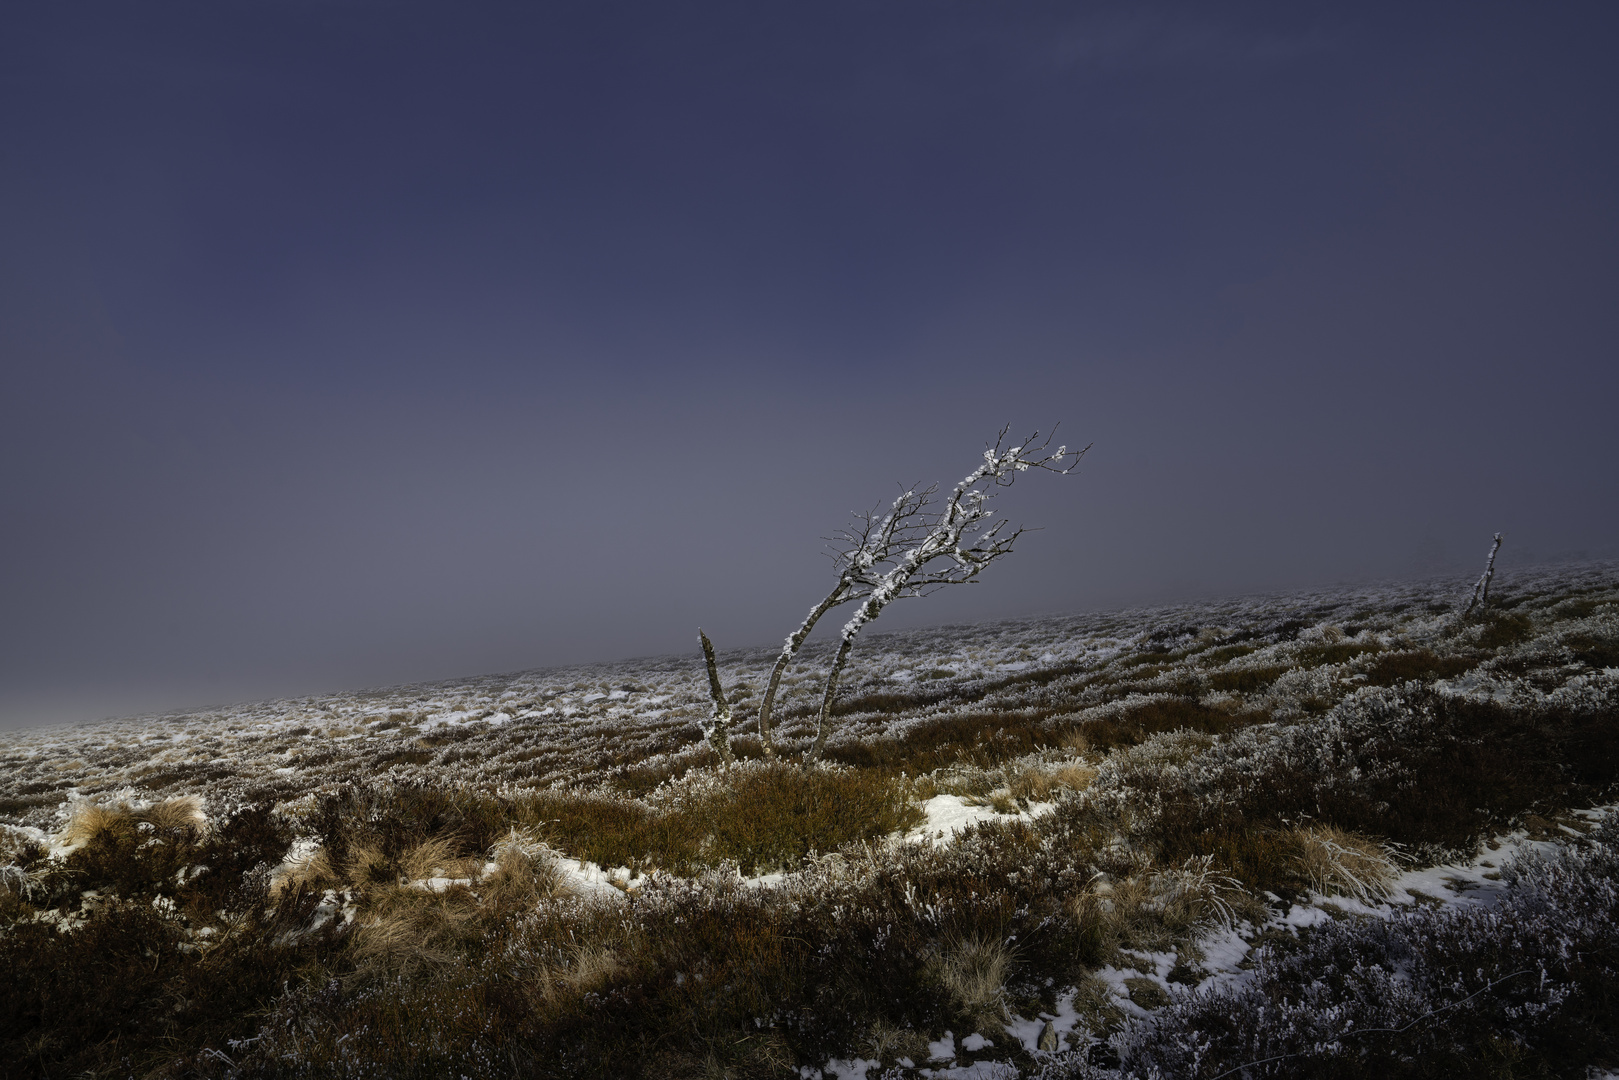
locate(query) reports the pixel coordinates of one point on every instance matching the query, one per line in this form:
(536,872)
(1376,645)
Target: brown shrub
(772,817)
(608,831)
(1261,859)
(1338,653)
(1505,628)
(1245,680)
(1160,715)
(979,738)
(761,817)
(1418,664)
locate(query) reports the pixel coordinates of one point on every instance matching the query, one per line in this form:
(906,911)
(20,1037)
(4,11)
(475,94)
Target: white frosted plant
(919,546)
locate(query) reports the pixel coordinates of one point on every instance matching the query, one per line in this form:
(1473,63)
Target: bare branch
(720,734)
(917,547)
(1481,591)
(937,536)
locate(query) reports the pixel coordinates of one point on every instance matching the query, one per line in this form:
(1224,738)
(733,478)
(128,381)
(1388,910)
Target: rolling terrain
(1340,833)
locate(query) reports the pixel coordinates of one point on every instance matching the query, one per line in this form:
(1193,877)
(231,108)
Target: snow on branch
(919,546)
(1481,591)
(719,736)
(917,549)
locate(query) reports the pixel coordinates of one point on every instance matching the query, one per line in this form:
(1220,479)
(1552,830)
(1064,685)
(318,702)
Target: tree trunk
(831,692)
(1481,591)
(720,735)
(833,599)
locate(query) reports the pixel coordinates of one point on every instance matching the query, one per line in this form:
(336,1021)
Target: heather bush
(1526,987)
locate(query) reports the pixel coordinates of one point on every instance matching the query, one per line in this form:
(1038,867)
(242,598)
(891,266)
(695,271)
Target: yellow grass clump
(1340,863)
(525,870)
(181,813)
(973,972)
(405,930)
(91,819)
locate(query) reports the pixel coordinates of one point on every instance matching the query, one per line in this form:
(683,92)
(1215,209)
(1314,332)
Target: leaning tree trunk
(720,735)
(827,696)
(1481,591)
(794,642)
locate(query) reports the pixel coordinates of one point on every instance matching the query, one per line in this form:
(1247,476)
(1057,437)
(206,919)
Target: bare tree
(917,547)
(1481,591)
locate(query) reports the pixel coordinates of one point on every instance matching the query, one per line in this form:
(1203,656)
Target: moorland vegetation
(1192,855)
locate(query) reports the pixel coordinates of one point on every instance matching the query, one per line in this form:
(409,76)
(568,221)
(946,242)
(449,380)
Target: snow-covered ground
(597,725)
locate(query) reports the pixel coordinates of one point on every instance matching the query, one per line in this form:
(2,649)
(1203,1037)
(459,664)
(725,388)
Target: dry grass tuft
(973,972)
(404,931)
(1096,1004)
(436,857)
(888,1043)
(176,814)
(91,820)
(367,864)
(1192,895)
(1076,743)
(309,872)
(1043,784)
(584,970)
(525,870)
(1151,908)
(1340,863)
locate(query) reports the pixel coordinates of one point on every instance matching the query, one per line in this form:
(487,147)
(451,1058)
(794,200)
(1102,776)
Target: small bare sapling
(1481,591)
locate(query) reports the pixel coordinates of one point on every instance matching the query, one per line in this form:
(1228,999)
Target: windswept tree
(920,545)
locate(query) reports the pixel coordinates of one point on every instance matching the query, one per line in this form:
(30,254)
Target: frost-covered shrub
(1407,763)
(1526,986)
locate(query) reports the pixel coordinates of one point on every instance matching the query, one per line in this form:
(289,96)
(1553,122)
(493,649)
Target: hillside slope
(1326,834)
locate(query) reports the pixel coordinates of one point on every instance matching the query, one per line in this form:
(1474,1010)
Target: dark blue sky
(356,343)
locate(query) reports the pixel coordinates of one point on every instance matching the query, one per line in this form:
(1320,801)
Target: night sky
(346,344)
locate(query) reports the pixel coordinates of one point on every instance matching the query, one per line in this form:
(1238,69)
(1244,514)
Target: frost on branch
(919,549)
(1481,591)
(918,546)
(720,735)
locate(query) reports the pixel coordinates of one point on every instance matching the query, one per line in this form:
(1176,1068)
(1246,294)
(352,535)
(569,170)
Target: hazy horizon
(1505,571)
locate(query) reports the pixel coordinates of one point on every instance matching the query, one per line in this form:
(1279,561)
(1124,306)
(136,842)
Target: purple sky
(356,343)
